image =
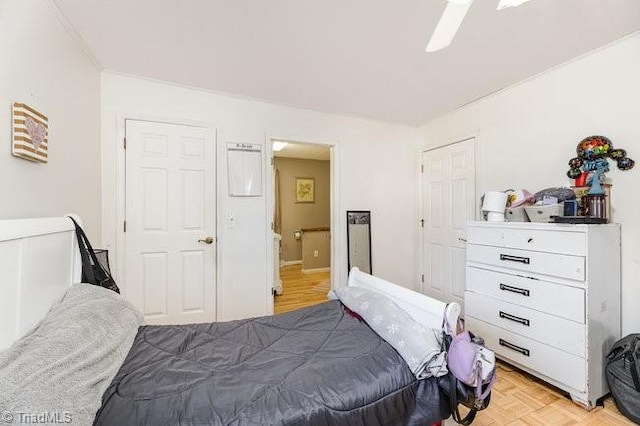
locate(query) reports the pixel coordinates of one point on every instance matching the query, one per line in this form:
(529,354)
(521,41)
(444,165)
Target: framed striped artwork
(30,133)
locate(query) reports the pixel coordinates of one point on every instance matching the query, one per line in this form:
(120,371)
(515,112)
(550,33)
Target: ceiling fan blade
(503,4)
(448,24)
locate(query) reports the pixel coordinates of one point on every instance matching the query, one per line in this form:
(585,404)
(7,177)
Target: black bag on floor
(623,374)
(456,393)
(95,263)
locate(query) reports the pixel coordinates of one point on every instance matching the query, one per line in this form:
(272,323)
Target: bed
(321,365)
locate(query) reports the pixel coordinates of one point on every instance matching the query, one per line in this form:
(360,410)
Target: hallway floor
(301,290)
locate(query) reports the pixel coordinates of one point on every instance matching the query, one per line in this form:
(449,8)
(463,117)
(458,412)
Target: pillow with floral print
(418,345)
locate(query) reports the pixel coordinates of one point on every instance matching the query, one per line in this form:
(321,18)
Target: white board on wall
(245,169)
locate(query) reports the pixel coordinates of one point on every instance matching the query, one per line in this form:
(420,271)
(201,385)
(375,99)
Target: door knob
(462,240)
(208,240)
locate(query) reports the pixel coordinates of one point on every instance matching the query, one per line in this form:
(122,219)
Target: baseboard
(314,270)
(290,262)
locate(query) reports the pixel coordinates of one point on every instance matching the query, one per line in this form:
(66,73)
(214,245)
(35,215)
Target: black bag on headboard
(95,263)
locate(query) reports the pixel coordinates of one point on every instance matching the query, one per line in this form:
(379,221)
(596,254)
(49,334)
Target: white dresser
(546,298)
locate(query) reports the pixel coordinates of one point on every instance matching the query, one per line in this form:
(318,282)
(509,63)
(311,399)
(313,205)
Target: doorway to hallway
(301,224)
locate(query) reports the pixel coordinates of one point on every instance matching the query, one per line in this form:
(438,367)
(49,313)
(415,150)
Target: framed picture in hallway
(305,190)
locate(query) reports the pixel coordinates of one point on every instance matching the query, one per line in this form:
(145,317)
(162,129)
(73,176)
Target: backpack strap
(453,401)
(482,395)
(92,271)
(87,271)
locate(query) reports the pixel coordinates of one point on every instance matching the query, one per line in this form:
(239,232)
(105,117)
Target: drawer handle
(522,291)
(524,260)
(514,318)
(513,347)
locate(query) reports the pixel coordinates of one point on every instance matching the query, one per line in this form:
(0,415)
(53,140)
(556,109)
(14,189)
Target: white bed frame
(423,309)
(39,261)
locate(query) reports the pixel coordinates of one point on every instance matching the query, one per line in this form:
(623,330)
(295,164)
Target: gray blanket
(58,372)
(317,366)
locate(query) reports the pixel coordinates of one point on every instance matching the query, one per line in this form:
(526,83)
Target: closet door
(448,202)
(170,270)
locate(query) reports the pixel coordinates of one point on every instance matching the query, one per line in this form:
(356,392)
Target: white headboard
(39,261)
(424,309)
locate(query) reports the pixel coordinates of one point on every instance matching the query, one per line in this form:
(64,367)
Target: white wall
(377,172)
(528,132)
(44,66)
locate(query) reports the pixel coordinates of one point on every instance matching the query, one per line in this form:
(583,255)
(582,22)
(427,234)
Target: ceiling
(356,57)
(304,151)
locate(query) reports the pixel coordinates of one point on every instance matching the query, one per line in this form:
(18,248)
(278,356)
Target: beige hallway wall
(316,249)
(296,216)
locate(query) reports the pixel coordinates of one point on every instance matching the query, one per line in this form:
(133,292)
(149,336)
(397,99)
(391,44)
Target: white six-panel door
(448,202)
(170,264)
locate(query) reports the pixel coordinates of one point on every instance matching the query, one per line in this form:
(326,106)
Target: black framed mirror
(359,240)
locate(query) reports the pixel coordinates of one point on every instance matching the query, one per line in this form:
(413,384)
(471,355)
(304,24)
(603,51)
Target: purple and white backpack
(473,373)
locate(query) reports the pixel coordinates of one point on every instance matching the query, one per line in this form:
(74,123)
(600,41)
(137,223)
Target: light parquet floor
(518,399)
(300,290)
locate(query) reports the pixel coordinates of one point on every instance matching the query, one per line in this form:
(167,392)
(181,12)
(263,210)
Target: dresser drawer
(552,241)
(486,235)
(556,299)
(557,265)
(551,362)
(560,333)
